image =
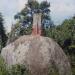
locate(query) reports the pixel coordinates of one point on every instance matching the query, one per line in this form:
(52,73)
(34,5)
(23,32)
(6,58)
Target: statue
(36,28)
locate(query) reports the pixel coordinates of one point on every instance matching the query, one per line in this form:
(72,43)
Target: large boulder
(38,54)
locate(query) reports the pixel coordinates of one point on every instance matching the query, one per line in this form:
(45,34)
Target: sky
(60,10)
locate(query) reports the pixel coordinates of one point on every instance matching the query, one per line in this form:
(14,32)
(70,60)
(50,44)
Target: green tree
(25,17)
(64,35)
(3,37)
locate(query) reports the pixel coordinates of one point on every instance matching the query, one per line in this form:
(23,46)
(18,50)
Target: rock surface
(37,53)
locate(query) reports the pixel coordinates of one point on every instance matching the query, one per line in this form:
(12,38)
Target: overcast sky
(60,10)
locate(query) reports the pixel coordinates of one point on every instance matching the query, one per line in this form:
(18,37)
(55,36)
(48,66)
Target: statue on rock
(36,28)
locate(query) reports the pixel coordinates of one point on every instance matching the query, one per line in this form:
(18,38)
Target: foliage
(33,5)
(21,69)
(25,17)
(53,70)
(64,35)
(3,37)
(18,70)
(3,70)
(14,70)
(26,31)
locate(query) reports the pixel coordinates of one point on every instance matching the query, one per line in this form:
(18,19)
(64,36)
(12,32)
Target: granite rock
(37,53)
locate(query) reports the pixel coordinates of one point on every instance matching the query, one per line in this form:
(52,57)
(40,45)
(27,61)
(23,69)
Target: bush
(14,70)
(19,70)
(3,70)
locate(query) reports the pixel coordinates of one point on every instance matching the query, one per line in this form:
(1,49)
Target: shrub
(19,70)
(3,70)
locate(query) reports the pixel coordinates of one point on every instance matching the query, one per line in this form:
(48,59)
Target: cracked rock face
(37,53)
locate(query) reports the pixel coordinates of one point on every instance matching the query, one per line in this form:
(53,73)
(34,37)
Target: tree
(25,17)
(64,34)
(3,37)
